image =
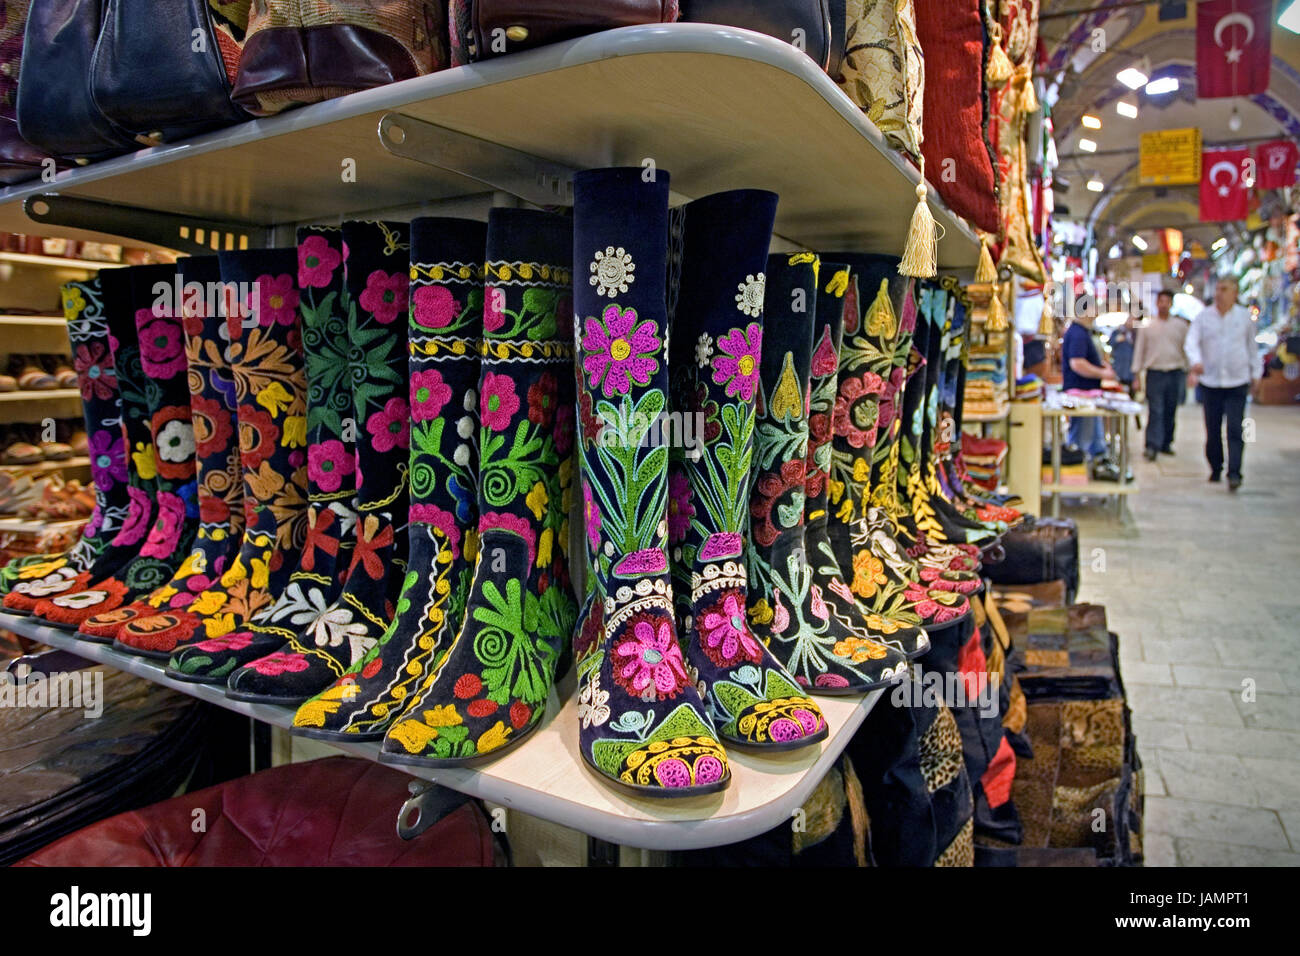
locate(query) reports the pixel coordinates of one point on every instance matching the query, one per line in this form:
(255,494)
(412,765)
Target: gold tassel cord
(999,69)
(920,255)
(1028,98)
(996,321)
(985,271)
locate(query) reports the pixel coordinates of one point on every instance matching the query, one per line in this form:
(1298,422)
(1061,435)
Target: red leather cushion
(338,811)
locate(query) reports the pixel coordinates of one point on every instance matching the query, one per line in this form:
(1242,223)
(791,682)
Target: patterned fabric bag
(304,51)
(884,70)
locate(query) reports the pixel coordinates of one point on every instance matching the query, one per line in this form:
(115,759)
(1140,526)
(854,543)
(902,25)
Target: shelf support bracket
(169,230)
(531,178)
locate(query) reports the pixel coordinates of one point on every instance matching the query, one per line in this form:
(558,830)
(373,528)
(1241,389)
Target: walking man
(1160,361)
(1223,356)
(1082,369)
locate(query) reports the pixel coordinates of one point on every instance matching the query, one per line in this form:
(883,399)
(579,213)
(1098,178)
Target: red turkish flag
(1223,194)
(1233,40)
(1276,161)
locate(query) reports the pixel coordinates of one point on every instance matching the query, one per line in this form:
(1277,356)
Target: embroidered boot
(492,688)
(833,299)
(92,356)
(265,349)
(788,610)
(879,572)
(314,655)
(33,588)
(293,519)
(217,473)
(168,457)
(446,333)
(717,333)
(642,725)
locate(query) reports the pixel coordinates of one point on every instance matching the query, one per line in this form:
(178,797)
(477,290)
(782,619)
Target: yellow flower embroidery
(787,400)
(536,500)
(836,490)
(220,625)
(845,512)
(881,625)
(859,649)
(209,602)
(144,461)
(880,317)
(760,612)
(471,544)
(295,432)
(261,574)
(196,563)
(274,398)
(544,548)
(839,283)
(40,569)
(494,739)
(161,596)
(236,573)
(74,303)
(861,470)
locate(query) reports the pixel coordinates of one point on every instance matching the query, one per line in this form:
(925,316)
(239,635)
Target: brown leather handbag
(508,26)
(304,51)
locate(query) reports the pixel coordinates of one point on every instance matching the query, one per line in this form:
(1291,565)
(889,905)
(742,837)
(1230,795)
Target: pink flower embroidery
(277,300)
(591,515)
(620,351)
(499,401)
(166,528)
(648,661)
(227,642)
(328,463)
(136,523)
(95,370)
(726,637)
(391,426)
(680,509)
(494,316)
(384,296)
(281,662)
(317,260)
(435,307)
(429,393)
(509,522)
(736,364)
(162,347)
(441,519)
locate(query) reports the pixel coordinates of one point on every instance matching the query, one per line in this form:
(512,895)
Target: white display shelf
(545,777)
(1090,488)
(716,107)
(56,262)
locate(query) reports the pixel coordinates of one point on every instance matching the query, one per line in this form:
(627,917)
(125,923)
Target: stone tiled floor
(1203,589)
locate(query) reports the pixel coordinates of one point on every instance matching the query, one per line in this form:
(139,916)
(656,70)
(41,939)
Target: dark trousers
(1221,403)
(1163,390)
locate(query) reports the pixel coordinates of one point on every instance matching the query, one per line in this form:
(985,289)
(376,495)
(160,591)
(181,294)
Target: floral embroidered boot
(788,609)
(33,588)
(217,472)
(833,300)
(643,727)
(491,690)
(320,651)
(92,357)
(168,457)
(446,334)
(314,393)
(880,574)
(714,367)
(265,350)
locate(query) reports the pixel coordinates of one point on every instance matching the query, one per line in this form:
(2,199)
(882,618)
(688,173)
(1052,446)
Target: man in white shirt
(1224,359)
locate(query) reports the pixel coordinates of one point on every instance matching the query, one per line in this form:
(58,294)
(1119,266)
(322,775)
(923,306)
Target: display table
(1055,419)
(546,778)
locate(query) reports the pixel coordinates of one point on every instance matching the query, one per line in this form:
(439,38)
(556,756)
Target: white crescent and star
(1233,53)
(1232,172)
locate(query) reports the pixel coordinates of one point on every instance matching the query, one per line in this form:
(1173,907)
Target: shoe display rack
(717,108)
(1116,422)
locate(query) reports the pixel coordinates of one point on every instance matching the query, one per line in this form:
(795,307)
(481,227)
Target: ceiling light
(1219,243)
(1290,17)
(1090,122)
(1115,252)
(1189,288)
(1095,185)
(1129,108)
(1140,242)
(1132,77)
(1087,145)
(1164,84)
(1234,120)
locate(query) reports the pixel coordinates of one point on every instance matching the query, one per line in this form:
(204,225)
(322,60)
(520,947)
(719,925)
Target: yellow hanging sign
(1170,157)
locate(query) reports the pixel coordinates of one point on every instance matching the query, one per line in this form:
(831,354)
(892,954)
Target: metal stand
(169,230)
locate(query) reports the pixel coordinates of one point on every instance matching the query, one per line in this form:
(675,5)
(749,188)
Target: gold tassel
(996,321)
(999,70)
(1047,325)
(920,255)
(1028,98)
(985,271)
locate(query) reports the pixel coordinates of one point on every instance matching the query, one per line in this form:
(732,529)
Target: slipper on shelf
(32,376)
(21,452)
(8,383)
(64,374)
